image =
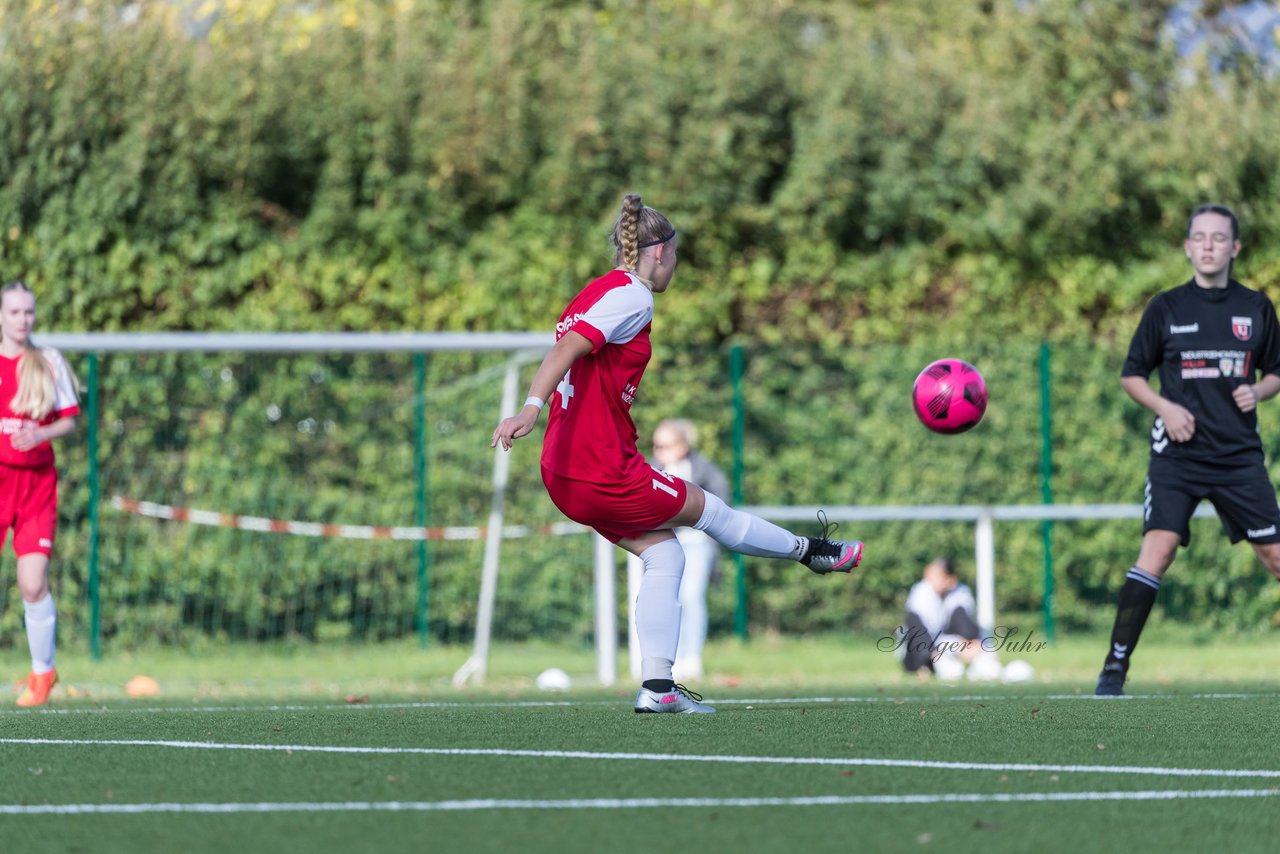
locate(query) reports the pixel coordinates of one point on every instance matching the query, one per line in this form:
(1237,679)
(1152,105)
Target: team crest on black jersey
(1242,327)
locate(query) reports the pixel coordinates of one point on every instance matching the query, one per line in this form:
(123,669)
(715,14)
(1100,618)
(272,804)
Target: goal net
(245,487)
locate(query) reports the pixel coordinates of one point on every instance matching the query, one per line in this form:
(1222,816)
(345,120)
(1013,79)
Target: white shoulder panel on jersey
(64,387)
(961,596)
(622,312)
(925,603)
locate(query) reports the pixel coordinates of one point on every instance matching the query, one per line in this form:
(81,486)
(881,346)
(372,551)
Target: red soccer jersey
(590,434)
(65,404)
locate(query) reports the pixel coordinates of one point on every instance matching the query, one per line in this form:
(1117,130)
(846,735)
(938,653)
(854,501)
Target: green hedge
(840,171)
(859,187)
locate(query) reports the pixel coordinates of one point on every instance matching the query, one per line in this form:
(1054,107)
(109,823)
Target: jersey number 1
(670,490)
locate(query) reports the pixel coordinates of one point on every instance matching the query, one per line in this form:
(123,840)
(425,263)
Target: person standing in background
(37,404)
(675,449)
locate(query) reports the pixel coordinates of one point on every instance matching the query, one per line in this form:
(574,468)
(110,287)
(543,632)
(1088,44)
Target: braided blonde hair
(36,393)
(636,227)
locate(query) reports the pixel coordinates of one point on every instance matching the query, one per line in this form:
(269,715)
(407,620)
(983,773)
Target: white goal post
(293,342)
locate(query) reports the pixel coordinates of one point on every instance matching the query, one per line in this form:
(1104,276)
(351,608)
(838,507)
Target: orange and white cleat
(36,688)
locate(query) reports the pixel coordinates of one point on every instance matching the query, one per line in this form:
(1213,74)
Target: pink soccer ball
(950,396)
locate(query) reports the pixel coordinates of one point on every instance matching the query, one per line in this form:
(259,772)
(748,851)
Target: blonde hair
(36,392)
(637,227)
(681,427)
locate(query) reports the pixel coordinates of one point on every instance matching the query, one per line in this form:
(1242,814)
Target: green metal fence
(361,436)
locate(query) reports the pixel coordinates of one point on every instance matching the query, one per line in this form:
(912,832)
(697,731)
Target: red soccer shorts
(29,505)
(644,502)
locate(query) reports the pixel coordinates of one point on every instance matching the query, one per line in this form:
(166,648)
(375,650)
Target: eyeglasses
(1217,237)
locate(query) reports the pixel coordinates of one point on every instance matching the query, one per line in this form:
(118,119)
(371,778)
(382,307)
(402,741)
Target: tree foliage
(858,187)
(437,165)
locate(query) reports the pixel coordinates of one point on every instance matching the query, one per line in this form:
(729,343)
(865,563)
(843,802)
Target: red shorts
(29,505)
(644,502)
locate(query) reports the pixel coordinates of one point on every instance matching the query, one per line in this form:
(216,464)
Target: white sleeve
(916,598)
(63,386)
(925,604)
(961,599)
(621,313)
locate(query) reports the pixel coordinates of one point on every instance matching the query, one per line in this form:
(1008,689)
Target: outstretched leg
(747,534)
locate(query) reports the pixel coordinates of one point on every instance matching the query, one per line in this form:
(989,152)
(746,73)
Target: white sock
(747,534)
(658,609)
(42,620)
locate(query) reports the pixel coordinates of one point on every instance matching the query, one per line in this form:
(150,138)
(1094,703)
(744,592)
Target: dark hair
(946,564)
(1220,210)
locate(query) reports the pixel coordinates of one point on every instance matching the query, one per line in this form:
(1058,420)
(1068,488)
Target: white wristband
(536,401)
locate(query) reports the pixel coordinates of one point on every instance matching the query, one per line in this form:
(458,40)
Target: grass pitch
(818,746)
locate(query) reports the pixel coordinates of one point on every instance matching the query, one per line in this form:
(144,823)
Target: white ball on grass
(948,667)
(984,668)
(553,679)
(1017,671)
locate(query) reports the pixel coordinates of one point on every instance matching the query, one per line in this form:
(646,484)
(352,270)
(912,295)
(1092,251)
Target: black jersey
(1206,342)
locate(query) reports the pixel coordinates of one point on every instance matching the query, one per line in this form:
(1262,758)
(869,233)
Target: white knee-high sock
(42,620)
(658,609)
(747,534)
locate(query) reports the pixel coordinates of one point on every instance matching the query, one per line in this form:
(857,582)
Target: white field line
(840,761)
(632,803)
(101,709)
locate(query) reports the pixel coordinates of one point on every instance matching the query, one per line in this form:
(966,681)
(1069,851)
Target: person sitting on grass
(940,635)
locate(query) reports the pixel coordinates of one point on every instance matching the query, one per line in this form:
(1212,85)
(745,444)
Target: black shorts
(1242,495)
(918,646)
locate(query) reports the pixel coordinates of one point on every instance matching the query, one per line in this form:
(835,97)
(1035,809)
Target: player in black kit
(1211,338)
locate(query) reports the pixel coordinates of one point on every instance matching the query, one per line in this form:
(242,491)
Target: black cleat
(826,555)
(1111,681)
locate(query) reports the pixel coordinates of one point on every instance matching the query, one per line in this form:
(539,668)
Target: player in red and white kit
(37,404)
(594,472)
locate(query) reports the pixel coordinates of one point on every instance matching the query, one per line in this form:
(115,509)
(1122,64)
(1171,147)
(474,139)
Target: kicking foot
(826,555)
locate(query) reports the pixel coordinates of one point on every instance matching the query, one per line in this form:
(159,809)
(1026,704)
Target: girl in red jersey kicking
(37,404)
(596,476)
